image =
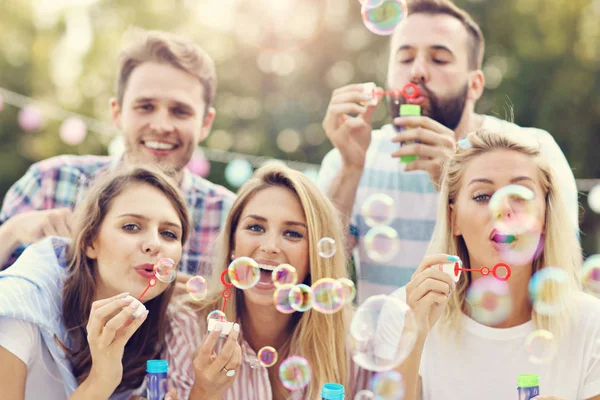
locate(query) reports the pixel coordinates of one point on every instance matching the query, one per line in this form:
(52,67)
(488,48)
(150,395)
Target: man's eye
(145,107)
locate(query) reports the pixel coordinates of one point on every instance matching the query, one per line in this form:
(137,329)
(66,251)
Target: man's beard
(447,112)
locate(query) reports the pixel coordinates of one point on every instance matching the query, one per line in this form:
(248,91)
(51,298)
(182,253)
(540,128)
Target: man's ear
(115,112)
(207,123)
(476,85)
(91,252)
(453,224)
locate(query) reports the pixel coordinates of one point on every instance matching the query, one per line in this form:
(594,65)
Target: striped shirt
(415,206)
(61,182)
(31,290)
(251,379)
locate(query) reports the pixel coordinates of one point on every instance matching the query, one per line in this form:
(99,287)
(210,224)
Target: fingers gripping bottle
(528,386)
(156,375)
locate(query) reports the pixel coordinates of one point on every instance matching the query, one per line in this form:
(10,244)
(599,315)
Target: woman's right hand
(428,291)
(211,380)
(111,324)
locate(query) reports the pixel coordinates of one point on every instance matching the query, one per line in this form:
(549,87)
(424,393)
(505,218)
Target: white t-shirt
(24,340)
(487,362)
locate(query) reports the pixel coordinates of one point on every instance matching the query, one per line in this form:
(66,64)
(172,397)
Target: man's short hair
(140,46)
(445,7)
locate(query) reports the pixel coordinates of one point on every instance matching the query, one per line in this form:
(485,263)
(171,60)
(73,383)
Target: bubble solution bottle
(156,375)
(528,386)
(332,391)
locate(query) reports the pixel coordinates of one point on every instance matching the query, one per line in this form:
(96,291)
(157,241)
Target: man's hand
(351,135)
(437,144)
(31,226)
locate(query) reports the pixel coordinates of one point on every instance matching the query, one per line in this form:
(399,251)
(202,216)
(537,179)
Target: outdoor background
(277,63)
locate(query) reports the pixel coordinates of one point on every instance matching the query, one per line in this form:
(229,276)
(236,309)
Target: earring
(232,257)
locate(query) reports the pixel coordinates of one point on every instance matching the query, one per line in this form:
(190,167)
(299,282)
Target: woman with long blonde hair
(278,218)
(459,356)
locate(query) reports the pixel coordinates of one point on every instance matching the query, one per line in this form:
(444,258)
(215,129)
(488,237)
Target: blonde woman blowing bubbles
(457,357)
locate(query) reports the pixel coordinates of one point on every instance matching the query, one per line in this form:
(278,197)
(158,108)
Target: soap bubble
(383,332)
(73,131)
(237,172)
(364,395)
(217,315)
(547,290)
(590,277)
(295,373)
(370,3)
(524,248)
(347,290)
(267,356)
(326,297)
(243,272)
(30,118)
(301,297)
(541,346)
(326,247)
(381,243)
(284,274)
(388,385)
(383,20)
(378,209)
(281,298)
(197,287)
(488,300)
(594,199)
(165,270)
(513,210)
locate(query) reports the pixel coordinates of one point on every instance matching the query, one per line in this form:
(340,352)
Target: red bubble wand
(168,263)
(485,271)
(409,91)
(151,282)
(226,293)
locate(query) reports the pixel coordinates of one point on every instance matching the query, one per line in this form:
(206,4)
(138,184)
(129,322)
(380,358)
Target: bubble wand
(226,293)
(168,264)
(485,271)
(151,282)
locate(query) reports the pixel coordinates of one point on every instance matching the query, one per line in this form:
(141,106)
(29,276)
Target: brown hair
(446,7)
(148,341)
(142,46)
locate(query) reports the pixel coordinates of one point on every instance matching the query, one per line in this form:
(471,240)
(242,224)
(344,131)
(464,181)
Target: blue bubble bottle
(332,391)
(156,375)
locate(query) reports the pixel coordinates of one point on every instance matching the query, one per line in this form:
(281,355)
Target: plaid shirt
(61,182)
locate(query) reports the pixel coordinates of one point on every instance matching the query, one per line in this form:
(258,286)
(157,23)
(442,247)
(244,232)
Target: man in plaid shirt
(165,87)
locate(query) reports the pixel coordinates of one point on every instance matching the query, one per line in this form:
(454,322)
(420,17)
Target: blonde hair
(140,46)
(560,249)
(318,337)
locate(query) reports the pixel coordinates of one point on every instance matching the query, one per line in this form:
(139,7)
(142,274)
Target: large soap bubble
(383,332)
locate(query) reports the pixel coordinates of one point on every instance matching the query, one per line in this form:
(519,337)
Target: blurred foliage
(277,63)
